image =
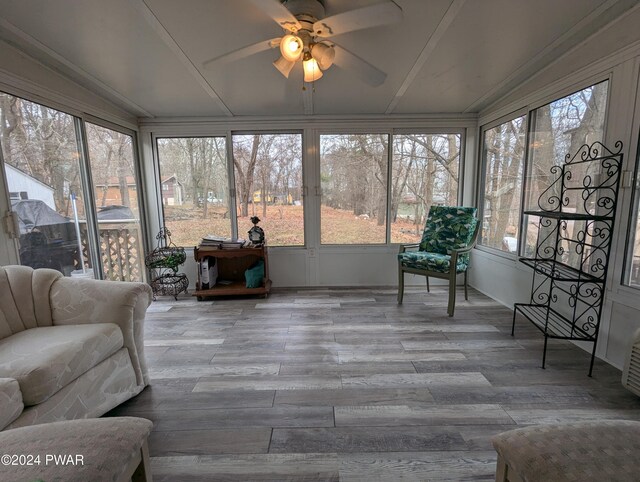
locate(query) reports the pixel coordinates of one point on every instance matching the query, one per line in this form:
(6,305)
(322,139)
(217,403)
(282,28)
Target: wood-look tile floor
(347,385)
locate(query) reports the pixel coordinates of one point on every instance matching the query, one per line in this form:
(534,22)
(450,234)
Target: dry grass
(283,226)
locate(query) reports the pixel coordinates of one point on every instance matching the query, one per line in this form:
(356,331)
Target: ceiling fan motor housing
(306,27)
(305,8)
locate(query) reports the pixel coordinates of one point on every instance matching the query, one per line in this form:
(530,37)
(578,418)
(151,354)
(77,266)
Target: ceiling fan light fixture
(291,47)
(312,71)
(284,66)
(324,55)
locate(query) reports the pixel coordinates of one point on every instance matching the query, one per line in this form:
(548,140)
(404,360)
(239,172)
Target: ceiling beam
(542,59)
(68,68)
(164,34)
(428,49)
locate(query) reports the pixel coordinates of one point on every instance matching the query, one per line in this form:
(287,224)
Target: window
(425,172)
(633,278)
(41,154)
(195,188)
(18,196)
(114,177)
(268,178)
(354,171)
(632,275)
(503,159)
(43,159)
(557,129)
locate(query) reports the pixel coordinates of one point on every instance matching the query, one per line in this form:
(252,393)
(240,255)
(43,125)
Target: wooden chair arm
(461,250)
(403,247)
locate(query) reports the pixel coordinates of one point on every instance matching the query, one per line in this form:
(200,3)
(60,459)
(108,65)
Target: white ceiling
(447,56)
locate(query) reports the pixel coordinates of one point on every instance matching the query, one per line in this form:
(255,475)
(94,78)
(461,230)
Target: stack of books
(219,242)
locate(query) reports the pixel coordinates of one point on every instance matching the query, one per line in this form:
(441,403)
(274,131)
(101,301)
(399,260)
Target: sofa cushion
(10,401)
(44,360)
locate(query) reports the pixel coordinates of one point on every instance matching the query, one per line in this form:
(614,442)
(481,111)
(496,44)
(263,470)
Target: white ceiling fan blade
(244,52)
(279,13)
(366,17)
(363,69)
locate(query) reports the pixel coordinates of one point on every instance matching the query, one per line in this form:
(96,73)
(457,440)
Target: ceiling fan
(307,34)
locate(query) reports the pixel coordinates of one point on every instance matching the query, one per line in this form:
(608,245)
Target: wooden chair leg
(501,470)
(400,284)
(428,289)
(143,471)
(452,293)
(466,291)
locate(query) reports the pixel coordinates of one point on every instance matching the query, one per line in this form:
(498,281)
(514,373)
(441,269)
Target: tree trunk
(454,162)
(244,177)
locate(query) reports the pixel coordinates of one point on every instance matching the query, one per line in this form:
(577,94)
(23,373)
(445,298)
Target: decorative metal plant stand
(571,257)
(163,263)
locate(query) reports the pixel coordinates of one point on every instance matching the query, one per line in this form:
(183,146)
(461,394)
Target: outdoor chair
(449,234)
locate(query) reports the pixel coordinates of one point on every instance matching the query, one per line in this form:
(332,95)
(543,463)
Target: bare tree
(245,162)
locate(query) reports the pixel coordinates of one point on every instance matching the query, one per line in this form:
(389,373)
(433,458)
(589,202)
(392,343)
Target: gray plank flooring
(346,385)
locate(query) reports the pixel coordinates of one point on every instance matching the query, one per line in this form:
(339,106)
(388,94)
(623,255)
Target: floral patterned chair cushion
(432,261)
(447,228)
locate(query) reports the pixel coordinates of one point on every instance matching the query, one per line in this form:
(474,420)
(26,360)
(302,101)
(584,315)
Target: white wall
(614,54)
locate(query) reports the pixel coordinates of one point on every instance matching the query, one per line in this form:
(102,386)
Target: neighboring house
(23,186)
(273,198)
(172,191)
(109,194)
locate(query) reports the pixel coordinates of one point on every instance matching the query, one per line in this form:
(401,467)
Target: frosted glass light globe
(291,47)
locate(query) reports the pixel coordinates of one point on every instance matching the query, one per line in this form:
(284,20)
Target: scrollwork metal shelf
(558,270)
(573,244)
(163,264)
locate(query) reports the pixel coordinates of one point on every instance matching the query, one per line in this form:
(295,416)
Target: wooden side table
(232,263)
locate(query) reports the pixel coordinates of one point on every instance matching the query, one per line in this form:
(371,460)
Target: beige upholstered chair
(98,449)
(69,348)
(593,451)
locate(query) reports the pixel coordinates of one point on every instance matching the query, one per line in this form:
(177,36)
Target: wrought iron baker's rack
(573,244)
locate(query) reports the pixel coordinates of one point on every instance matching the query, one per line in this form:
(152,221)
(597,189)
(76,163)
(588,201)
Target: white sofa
(69,347)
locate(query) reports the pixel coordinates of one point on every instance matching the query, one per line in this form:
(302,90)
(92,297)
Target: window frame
(157,175)
(348,132)
(566,93)
(137,168)
(525,113)
(311,130)
(391,132)
(461,132)
(232,180)
(634,219)
(80,119)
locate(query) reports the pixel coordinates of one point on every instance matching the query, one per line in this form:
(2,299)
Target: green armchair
(449,235)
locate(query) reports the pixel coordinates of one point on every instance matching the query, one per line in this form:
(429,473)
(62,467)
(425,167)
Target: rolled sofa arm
(11,404)
(82,301)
